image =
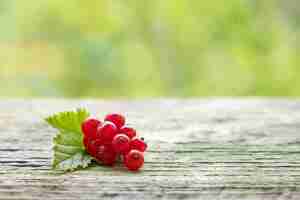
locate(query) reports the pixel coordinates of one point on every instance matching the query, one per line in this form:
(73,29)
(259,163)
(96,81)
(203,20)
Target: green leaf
(69,152)
(66,162)
(68,121)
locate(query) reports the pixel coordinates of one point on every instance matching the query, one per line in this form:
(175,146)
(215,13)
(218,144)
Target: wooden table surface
(199,149)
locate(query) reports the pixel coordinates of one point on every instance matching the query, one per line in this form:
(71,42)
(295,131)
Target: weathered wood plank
(210,149)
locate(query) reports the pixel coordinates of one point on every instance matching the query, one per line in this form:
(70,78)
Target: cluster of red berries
(107,140)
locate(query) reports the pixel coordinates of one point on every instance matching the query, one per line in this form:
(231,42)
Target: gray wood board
(198,149)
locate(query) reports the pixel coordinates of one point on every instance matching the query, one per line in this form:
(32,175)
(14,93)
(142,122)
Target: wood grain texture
(199,149)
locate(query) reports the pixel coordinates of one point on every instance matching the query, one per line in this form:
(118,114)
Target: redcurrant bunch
(107,140)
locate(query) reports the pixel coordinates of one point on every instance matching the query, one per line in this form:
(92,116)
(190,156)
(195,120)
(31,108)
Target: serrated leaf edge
(85,158)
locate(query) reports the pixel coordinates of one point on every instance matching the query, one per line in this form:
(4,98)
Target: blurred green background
(137,48)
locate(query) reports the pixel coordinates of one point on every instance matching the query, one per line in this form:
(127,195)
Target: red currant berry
(89,127)
(106,155)
(91,145)
(107,132)
(120,143)
(134,160)
(130,132)
(117,119)
(86,142)
(138,144)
